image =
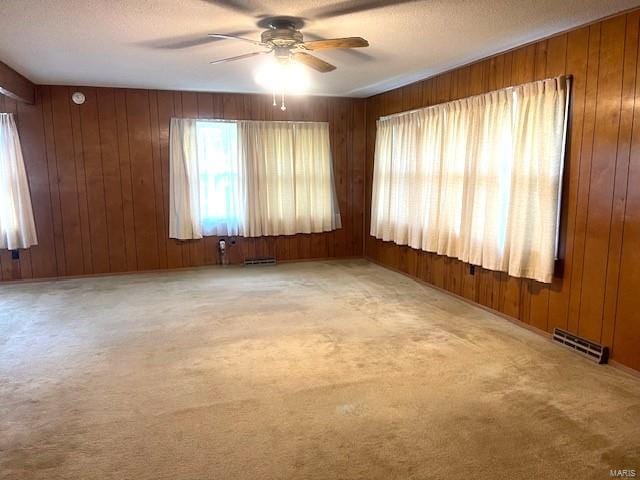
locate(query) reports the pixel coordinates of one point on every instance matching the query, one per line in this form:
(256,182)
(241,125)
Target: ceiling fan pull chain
(283,107)
(274,98)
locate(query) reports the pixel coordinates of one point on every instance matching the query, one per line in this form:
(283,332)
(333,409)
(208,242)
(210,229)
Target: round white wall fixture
(78,98)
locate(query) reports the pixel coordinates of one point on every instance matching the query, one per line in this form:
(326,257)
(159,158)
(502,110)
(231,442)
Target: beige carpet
(323,370)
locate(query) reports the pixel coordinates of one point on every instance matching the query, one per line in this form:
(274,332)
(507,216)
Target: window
(17,228)
(218,175)
(250,178)
(477,179)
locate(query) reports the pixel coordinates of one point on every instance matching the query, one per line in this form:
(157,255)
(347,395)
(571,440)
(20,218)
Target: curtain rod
(227,120)
(567,78)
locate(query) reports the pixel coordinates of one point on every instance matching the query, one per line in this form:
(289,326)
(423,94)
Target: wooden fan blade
(240,6)
(235,37)
(187,41)
(347,7)
(349,42)
(313,62)
(239,57)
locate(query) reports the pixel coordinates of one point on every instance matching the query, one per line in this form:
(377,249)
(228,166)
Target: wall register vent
(585,347)
(260,261)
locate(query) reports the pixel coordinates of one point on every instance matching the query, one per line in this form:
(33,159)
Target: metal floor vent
(584,347)
(260,261)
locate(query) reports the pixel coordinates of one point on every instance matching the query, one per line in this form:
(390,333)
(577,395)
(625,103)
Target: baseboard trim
(547,335)
(464,299)
(321,259)
(628,370)
(162,270)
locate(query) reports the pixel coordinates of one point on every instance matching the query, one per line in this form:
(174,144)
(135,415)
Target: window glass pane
(477,179)
(218,173)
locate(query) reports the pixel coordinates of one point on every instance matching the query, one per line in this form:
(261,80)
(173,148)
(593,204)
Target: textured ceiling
(123,42)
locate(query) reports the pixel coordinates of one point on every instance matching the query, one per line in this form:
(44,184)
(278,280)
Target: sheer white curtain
(184,189)
(288,177)
(478,179)
(250,178)
(536,179)
(206,193)
(17,227)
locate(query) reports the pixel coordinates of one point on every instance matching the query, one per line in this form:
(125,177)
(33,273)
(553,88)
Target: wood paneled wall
(15,86)
(99,177)
(596,292)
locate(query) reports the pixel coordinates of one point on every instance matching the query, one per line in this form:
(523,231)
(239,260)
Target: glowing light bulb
(285,77)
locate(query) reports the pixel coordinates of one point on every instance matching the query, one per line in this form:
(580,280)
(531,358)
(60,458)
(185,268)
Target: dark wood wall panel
(15,86)
(594,292)
(99,176)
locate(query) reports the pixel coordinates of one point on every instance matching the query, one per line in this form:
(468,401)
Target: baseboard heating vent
(589,349)
(260,261)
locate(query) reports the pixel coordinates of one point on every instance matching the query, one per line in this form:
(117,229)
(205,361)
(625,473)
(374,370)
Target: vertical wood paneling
(81,187)
(67,181)
(560,292)
(99,179)
(54,185)
(586,150)
(91,157)
(601,181)
(112,180)
(43,258)
(142,178)
(126,187)
(621,177)
(338,116)
(161,224)
(594,291)
(626,329)
(357,163)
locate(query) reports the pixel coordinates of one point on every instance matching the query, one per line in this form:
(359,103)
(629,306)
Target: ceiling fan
(282,34)
(284,38)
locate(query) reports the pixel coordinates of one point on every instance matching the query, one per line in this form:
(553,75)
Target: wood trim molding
(546,335)
(23,281)
(16,86)
(498,313)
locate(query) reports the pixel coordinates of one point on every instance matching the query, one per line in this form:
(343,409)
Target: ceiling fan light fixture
(282,77)
(285,73)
